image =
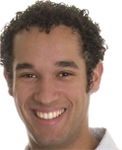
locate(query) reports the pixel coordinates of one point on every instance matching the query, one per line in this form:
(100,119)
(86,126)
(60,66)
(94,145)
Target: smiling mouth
(49,115)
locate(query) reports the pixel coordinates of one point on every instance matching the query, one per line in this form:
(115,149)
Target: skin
(44,84)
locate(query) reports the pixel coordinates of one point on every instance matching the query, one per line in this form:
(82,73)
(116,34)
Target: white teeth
(49,115)
(62,111)
(45,116)
(54,115)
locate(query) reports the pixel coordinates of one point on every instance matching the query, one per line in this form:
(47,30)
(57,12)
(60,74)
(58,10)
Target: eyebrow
(24,66)
(71,64)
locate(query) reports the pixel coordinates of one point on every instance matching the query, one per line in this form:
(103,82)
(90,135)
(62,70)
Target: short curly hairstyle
(46,15)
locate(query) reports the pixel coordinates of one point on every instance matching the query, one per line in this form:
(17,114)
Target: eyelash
(28,76)
(61,74)
(65,74)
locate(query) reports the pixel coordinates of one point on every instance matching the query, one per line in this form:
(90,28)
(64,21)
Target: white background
(106,104)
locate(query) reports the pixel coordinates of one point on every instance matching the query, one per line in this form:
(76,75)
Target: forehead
(58,32)
(61,42)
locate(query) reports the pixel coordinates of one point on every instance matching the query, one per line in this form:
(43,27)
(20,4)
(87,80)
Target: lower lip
(50,122)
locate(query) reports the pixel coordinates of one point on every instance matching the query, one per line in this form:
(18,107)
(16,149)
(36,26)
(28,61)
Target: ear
(8,82)
(97,74)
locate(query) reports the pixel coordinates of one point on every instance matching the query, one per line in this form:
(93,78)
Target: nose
(46,91)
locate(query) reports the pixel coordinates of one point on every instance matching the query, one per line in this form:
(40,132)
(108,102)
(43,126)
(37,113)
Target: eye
(65,74)
(28,76)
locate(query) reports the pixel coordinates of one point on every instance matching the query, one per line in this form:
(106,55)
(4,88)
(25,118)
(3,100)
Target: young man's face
(49,86)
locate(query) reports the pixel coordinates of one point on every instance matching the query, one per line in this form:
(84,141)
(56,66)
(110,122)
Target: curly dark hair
(46,15)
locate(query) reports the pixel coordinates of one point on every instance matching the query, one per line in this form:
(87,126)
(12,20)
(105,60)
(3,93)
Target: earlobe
(97,74)
(5,75)
(9,87)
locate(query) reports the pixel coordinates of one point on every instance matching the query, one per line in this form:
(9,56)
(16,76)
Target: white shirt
(106,142)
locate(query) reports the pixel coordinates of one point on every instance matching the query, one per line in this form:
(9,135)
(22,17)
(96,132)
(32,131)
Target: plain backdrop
(106,105)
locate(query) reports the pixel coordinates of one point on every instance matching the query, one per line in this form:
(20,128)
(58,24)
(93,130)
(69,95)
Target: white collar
(102,135)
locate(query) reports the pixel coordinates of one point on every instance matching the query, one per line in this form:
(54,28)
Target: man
(52,56)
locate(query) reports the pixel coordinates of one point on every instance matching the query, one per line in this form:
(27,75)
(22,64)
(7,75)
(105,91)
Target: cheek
(22,91)
(79,99)
(76,91)
(21,94)
(78,108)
